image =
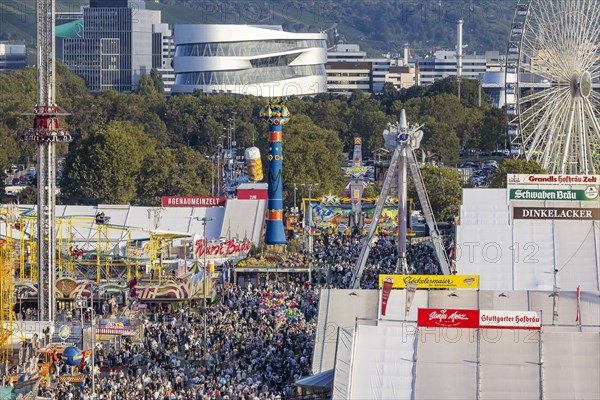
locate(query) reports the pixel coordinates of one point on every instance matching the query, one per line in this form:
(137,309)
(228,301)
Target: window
(244,49)
(249,76)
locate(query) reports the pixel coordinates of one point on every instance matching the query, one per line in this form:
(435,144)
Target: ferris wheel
(552,83)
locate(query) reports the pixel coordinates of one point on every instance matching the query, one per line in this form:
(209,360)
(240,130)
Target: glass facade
(245,49)
(118,46)
(249,76)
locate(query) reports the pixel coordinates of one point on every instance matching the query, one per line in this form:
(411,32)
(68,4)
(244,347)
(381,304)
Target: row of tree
(135,148)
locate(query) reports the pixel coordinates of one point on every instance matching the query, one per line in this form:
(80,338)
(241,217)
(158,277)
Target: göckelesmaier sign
(591,193)
(575,214)
(532,179)
(492,319)
(432,281)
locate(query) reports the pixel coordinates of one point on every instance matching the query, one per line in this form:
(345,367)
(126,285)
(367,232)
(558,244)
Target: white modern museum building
(247,59)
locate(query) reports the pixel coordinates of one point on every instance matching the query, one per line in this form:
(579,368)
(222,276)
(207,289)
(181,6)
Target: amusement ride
(552,78)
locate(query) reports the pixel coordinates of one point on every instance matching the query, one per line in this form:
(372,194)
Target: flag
(197,273)
(411,288)
(555,294)
(451,255)
(388,282)
(578,305)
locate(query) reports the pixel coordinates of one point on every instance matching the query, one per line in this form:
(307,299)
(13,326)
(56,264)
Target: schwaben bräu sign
(539,194)
(575,214)
(492,319)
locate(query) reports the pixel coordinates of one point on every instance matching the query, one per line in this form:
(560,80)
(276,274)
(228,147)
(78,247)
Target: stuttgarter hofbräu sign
(494,319)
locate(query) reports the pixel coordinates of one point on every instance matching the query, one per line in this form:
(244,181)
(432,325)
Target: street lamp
(310,187)
(79,303)
(204,221)
(93,288)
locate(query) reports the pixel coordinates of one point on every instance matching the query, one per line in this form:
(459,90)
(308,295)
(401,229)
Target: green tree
(27,195)
(104,167)
(168,172)
(8,145)
(372,191)
(493,130)
(441,139)
(157,80)
(514,166)
(310,155)
(444,189)
(365,119)
(469,90)
(146,86)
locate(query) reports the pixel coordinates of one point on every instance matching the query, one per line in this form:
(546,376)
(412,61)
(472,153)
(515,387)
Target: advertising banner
(219,249)
(531,320)
(385,295)
(557,179)
(485,319)
(538,194)
(447,318)
(433,281)
(331,211)
(192,201)
(576,214)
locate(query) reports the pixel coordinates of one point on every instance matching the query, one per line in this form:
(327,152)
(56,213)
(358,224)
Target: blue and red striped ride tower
(276,115)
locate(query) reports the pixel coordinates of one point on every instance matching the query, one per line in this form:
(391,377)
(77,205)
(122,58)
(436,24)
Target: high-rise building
(12,56)
(247,59)
(119,42)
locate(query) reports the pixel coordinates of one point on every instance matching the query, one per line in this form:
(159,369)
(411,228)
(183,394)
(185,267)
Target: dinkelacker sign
(579,214)
(495,319)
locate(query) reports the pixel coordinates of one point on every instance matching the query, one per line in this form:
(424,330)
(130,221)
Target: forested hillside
(377,25)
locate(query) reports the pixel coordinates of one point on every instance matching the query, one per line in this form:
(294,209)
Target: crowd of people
(335,259)
(251,343)
(258,343)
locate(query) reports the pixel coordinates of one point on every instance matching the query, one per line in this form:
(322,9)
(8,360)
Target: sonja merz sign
(217,249)
(496,319)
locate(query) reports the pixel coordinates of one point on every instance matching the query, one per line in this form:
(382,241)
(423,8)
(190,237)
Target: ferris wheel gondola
(552,78)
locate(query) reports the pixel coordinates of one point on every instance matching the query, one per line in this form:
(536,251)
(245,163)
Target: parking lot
(479,173)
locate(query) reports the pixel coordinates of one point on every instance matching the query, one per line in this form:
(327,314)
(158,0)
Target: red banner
(388,283)
(448,318)
(192,201)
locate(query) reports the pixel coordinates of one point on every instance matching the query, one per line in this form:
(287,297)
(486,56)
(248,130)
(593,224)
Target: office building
(247,59)
(12,56)
(349,69)
(117,42)
(443,64)
(344,77)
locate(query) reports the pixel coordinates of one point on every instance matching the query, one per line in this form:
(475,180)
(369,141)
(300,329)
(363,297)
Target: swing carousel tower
(45,133)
